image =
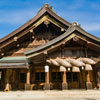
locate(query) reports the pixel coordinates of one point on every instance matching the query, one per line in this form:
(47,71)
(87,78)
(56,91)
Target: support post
(88,83)
(64,81)
(98,80)
(7,86)
(80,81)
(28,85)
(47,84)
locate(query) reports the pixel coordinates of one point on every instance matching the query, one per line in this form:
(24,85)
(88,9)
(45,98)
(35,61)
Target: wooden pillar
(47,84)
(50,75)
(88,76)
(88,82)
(50,78)
(64,81)
(47,77)
(28,85)
(80,79)
(64,77)
(98,80)
(17,79)
(33,76)
(7,81)
(28,77)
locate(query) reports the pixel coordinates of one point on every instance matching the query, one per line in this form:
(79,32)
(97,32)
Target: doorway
(73,80)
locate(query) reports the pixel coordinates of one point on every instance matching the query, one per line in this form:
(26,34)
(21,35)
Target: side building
(49,53)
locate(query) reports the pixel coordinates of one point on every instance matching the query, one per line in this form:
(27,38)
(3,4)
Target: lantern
(69,69)
(46,68)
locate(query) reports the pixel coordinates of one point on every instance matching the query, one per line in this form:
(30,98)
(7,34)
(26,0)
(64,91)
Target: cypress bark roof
(69,31)
(45,9)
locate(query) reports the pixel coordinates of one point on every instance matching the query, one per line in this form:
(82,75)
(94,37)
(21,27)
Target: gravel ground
(51,95)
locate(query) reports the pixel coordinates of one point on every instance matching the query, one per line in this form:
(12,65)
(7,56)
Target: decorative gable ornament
(75,24)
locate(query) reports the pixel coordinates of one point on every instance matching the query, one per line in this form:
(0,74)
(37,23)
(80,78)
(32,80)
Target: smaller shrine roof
(13,62)
(65,35)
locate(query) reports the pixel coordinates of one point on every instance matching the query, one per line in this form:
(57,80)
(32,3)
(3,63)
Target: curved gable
(69,34)
(44,10)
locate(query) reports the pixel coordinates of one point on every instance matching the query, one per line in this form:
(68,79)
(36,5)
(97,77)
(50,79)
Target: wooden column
(64,81)
(33,76)
(47,84)
(27,85)
(7,85)
(47,77)
(17,79)
(64,77)
(80,79)
(88,82)
(88,76)
(28,77)
(98,79)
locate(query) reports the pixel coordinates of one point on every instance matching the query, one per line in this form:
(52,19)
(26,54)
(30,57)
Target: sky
(14,13)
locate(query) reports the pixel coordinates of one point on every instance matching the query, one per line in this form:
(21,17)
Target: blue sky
(14,13)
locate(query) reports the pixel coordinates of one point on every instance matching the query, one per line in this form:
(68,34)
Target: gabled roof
(14,62)
(45,9)
(63,37)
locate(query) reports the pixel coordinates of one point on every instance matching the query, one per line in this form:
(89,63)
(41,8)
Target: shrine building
(49,53)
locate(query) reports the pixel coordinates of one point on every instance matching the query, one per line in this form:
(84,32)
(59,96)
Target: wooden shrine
(49,53)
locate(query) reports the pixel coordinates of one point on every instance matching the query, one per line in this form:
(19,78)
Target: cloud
(95,5)
(85,12)
(68,4)
(76,4)
(13,2)
(16,17)
(91,26)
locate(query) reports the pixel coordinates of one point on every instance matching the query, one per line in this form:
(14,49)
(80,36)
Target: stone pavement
(51,95)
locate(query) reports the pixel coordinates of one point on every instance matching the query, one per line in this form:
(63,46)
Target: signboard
(46,68)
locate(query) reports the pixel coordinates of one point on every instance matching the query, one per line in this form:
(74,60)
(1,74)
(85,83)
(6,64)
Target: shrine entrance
(39,80)
(73,80)
(56,80)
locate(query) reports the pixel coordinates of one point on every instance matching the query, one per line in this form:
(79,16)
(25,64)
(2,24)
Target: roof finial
(46,5)
(75,24)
